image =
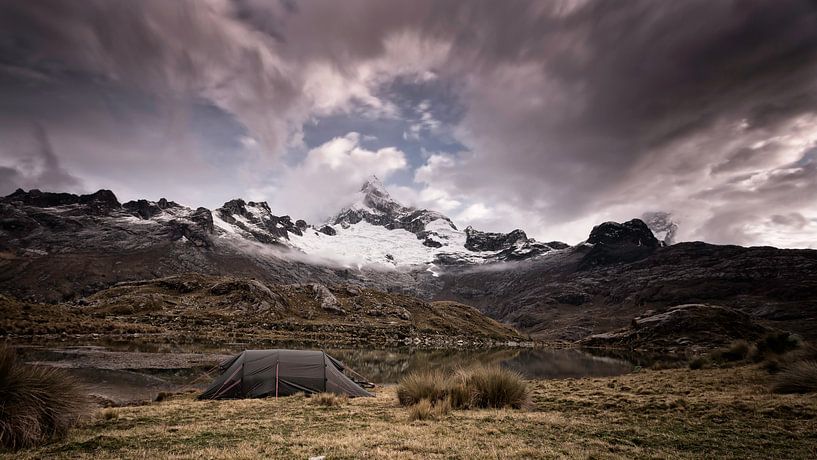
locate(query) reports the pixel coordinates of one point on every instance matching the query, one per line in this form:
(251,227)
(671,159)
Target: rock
(164,204)
(431,243)
(301,224)
(690,326)
(204,219)
(101,202)
(328,300)
(485,241)
(328,230)
(613,242)
(142,209)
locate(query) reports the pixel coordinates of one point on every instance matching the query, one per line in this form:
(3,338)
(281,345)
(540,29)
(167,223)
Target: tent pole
(276,380)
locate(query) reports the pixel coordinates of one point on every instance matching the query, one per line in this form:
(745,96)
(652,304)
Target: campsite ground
(678,413)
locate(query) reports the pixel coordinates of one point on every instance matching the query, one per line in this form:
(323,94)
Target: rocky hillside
(57,247)
(209,308)
(622,271)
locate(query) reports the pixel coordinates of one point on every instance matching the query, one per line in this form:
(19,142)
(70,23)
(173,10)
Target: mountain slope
(221,309)
(622,272)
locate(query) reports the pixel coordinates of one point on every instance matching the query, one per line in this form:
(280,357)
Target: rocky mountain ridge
(60,247)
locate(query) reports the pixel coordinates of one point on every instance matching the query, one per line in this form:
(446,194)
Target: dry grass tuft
(737,351)
(497,387)
(417,386)
(427,410)
(699,362)
(776,343)
(478,387)
(38,403)
(798,377)
(329,399)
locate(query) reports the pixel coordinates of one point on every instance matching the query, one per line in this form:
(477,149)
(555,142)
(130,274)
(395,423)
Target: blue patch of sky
(809,156)
(407,131)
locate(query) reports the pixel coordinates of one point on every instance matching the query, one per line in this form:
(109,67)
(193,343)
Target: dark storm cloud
(566,112)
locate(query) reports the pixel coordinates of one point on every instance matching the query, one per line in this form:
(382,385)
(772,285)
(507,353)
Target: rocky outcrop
(328,230)
(327,300)
(256,221)
(100,203)
(613,243)
(683,328)
(509,246)
(142,209)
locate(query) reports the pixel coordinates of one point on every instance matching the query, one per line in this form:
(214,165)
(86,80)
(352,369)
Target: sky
(550,116)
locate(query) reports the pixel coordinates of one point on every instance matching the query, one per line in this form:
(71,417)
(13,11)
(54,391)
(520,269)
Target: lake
(123,373)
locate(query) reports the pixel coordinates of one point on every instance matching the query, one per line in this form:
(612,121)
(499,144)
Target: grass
(737,351)
(38,404)
(329,399)
(797,377)
(672,413)
(426,410)
(476,387)
(496,387)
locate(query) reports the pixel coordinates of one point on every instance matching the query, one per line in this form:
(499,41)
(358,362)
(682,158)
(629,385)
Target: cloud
(329,177)
(583,111)
(36,165)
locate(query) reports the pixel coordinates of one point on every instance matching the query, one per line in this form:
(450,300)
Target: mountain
(59,247)
(82,243)
(623,272)
(377,229)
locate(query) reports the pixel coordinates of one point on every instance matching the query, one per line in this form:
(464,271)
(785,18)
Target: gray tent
(261,373)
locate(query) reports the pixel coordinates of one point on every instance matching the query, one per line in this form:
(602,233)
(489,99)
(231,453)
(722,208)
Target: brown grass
(38,403)
(712,413)
(476,387)
(496,387)
(329,399)
(431,386)
(797,377)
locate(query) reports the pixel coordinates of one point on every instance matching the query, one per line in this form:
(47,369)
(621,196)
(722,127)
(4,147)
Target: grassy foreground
(678,413)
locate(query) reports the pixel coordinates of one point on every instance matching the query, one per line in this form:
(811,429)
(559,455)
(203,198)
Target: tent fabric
(261,373)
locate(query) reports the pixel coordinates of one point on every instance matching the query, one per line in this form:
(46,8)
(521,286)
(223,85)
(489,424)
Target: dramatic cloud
(549,116)
(330,176)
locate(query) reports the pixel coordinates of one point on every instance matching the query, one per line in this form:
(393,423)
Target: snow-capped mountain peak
(375,228)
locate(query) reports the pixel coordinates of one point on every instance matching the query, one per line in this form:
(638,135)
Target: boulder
(688,327)
(327,300)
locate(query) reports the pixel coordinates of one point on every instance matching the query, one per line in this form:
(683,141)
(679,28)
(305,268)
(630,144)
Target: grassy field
(679,413)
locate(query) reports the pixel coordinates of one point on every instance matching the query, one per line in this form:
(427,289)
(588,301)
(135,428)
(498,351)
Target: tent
(261,373)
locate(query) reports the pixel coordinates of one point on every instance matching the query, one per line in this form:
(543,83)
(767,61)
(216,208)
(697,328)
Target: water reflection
(387,366)
(129,373)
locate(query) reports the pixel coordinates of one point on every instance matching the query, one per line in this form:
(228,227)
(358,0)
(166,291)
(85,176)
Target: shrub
(497,387)
(474,387)
(736,352)
(329,399)
(38,403)
(699,362)
(430,385)
(777,343)
(798,377)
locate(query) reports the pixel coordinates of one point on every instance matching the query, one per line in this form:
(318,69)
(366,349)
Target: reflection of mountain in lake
(387,366)
(124,373)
